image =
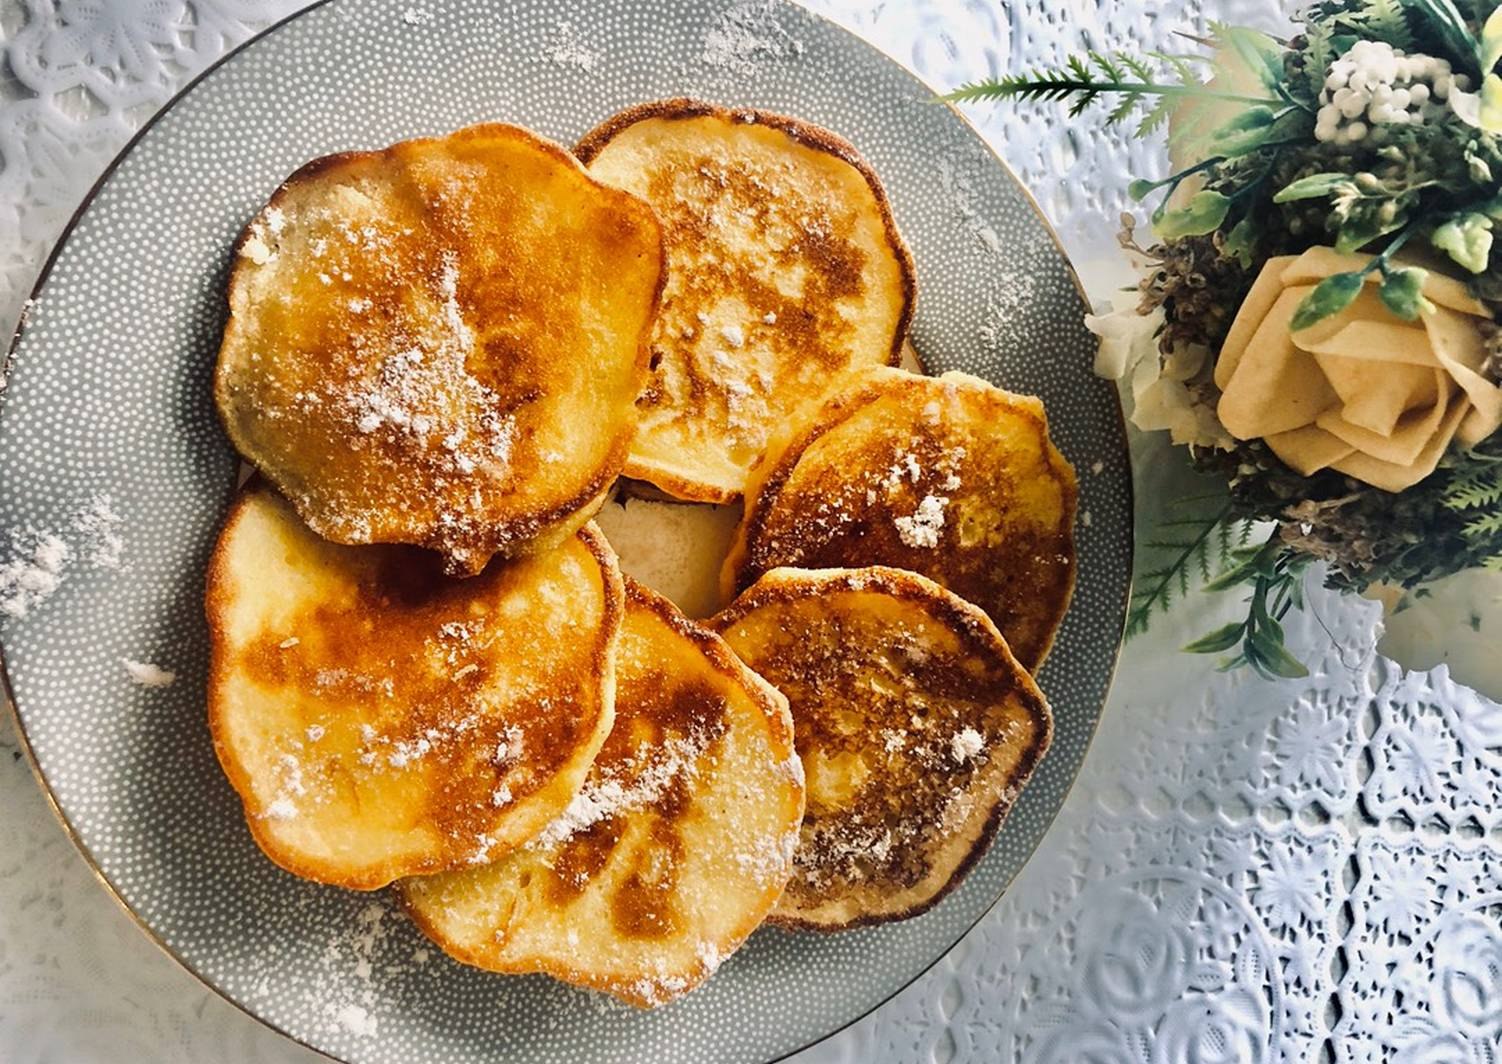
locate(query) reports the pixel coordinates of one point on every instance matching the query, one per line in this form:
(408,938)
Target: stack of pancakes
(428,667)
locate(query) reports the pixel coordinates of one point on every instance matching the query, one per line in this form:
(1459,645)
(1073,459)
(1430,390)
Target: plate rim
(12,707)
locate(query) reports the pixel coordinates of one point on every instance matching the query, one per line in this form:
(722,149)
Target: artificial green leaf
(1491,41)
(1312,187)
(1330,296)
(1261,621)
(1203,214)
(1231,664)
(1402,292)
(1236,574)
(1257,51)
(1140,189)
(1241,241)
(1450,26)
(1467,240)
(1275,657)
(1361,231)
(1245,133)
(1218,640)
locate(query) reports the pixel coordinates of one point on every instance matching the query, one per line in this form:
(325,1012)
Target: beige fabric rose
(1364,392)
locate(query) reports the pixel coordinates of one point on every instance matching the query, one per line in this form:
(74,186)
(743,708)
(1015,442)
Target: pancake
(441,343)
(785,269)
(379,719)
(916,726)
(677,847)
(945,476)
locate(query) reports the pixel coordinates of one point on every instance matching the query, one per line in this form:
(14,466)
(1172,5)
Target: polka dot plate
(115,476)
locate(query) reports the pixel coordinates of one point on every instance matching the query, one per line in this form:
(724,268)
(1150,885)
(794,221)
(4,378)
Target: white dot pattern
(110,391)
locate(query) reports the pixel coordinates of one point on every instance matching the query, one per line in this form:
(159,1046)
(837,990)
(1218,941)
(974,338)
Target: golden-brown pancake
(785,268)
(674,851)
(441,343)
(945,476)
(380,719)
(916,727)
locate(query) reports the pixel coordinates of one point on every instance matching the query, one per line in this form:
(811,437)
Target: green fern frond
(1139,68)
(1387,20)
(1202,552)
(1110,68)
(1480,486)
(1487,526)
(1319,51)
(1085,78)
(1156,117)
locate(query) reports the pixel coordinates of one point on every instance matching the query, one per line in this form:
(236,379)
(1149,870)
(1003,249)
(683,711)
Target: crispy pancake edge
(215,592)
(790,585)
(779,720)
(327,165)
(767,478)
(801,132)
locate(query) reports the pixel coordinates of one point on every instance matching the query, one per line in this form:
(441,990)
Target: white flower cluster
(1375,85)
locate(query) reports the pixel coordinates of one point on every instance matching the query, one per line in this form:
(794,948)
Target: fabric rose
(1363,392)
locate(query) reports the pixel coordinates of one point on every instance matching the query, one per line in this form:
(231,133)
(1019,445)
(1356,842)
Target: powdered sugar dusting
(424,377)
(36,564)
(98,528)
(32,573)
(627,786)
(921,529)
(148,675)
(746,36)
(567,48)
(966,744)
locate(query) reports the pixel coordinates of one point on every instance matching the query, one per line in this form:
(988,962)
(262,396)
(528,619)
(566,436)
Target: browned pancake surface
(915,725)
(948,477)
(440,343)
(785,268)
(678,844)
(379,718)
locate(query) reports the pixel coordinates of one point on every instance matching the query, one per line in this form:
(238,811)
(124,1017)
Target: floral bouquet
(1317,314)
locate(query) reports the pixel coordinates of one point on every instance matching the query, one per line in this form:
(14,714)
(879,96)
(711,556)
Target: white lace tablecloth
(1246,871)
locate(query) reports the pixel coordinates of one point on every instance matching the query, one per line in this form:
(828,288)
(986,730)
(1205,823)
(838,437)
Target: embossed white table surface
(1245,871)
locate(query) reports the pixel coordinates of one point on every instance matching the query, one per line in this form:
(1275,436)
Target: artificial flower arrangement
(1317,314)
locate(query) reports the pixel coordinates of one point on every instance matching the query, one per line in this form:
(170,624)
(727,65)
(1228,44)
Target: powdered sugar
(356,1019)
(921,529)
(33,573)
(414,390)
(966,744)
(627,786)
(770,858)
(148,675)
(37,561)
(747,35)
(566,47)
(98,528)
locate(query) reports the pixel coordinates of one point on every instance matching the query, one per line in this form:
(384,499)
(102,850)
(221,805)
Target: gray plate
(109,403)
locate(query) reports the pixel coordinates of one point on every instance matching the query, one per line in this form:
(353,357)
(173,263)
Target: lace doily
(1246,871)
